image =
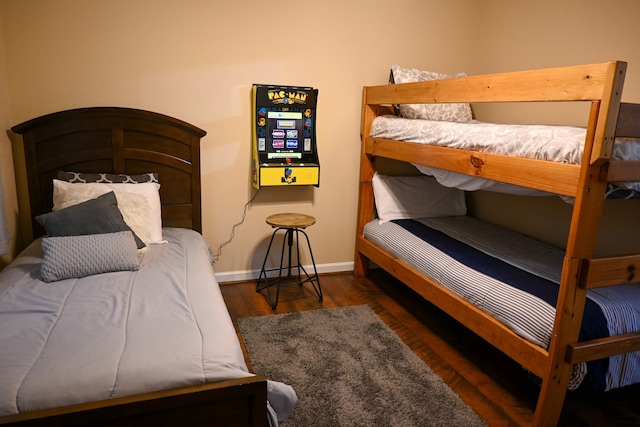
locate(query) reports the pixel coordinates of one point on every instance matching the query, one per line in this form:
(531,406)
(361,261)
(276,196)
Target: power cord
(233,229)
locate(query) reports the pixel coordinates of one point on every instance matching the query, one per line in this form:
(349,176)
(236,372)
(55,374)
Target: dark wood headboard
(112,140)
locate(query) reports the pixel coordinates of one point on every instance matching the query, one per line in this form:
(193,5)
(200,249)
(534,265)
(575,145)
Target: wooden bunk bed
(130,141)
(601,86)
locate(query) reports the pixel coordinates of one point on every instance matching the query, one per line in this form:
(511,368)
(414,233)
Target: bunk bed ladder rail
(587,213)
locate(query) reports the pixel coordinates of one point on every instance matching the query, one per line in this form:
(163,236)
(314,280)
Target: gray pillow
(95,216)
(67,257)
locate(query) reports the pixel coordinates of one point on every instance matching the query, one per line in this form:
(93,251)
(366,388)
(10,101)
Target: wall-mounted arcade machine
(284,136)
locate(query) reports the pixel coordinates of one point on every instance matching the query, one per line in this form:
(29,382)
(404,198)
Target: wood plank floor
(492,384)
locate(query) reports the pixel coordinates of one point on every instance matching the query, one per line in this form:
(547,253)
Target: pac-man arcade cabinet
(284,136)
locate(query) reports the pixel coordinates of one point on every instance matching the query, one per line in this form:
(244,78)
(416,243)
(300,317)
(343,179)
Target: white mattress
(114,334)
(563,144)
(530,317)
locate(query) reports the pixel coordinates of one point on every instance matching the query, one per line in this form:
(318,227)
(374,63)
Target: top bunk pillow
(139,204)
(411,197)
(452,112)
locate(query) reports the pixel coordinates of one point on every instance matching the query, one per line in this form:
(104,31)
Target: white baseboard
(239,276)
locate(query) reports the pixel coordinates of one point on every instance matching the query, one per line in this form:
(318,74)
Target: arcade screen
(286,133)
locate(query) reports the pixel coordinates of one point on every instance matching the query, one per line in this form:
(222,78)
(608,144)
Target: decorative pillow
(94,216)
(406,197)
(139,203)
(457,112)
(107,178)
(67,257)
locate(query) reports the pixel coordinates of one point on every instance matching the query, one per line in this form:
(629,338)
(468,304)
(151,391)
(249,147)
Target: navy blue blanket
(594,324)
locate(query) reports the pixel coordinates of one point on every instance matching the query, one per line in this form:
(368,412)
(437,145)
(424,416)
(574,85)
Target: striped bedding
(515,279)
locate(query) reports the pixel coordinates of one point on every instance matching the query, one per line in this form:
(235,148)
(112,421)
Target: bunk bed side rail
(609,271)
(553,177)
(529,355)
(575,83)
(628,120)
(605,127)
(628,126)
(602,348)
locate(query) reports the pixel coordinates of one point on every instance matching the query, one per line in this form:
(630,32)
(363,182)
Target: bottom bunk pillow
(419,196)
(493,281)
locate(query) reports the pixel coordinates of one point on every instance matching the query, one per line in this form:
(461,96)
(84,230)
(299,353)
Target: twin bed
(122,326)
(570,318)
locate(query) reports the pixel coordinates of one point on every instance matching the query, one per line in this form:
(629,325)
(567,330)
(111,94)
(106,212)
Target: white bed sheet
(563,144)
(114,334)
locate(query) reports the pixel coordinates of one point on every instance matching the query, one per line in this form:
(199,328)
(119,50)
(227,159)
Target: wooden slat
(623,171)
(560,178)
(610,271)
(566,328)
(367,169)
(628,120)
(605,127)
(602,348)
(577,83)
(226,403)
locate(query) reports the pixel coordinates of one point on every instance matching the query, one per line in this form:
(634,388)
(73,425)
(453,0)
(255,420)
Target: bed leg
(360,265)
(551,399)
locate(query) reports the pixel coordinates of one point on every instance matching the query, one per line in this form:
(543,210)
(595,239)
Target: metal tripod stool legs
(294,225)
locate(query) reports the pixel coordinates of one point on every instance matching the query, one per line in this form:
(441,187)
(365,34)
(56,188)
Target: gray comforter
(114,334)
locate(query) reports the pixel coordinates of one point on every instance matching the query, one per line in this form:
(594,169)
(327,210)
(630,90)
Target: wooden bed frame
(130,141)
(601,86)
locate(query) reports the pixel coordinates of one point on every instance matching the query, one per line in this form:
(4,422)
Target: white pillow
(456,112)
(139,204)
(406,197)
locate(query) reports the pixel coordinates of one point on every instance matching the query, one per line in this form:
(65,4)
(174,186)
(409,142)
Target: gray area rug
(350,369)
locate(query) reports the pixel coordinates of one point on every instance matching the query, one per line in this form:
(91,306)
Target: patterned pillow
(68,257)
(139,203)
(107,178)
(457,112)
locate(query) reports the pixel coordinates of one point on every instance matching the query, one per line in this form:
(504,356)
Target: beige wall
(196,60)
(6,165)
(518,35)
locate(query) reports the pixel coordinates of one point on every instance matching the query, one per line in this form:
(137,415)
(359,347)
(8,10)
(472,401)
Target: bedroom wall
(6,165)
(196,60)
(518,35)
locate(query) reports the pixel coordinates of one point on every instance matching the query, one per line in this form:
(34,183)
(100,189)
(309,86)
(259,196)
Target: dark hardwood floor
(499,390)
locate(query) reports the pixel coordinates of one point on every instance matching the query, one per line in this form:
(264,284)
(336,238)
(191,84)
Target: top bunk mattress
(562,144)
(114,334)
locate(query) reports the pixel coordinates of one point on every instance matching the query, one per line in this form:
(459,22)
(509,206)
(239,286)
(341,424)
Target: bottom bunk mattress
(114,334)
(515,279)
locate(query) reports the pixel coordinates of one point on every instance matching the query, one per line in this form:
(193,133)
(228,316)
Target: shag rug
(349,368)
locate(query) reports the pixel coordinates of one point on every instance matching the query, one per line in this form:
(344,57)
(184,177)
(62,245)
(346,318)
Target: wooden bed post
(365,199)
(587,213)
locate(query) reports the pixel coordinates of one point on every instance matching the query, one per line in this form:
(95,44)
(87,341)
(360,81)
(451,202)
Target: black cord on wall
(233,229)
